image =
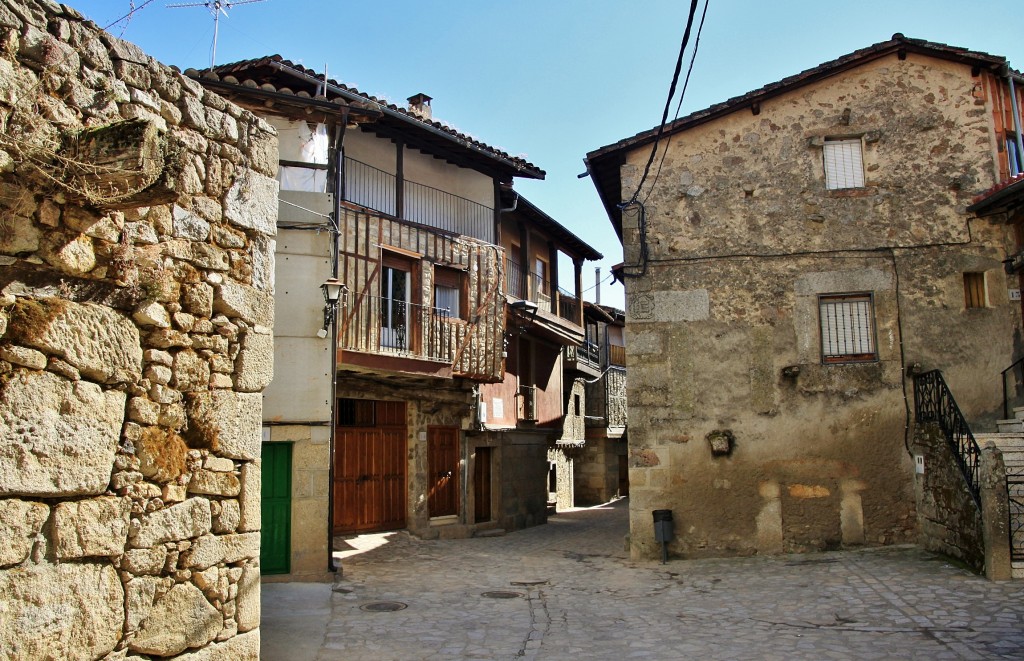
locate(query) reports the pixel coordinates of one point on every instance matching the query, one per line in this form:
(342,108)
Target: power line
(682,95)
(668,101)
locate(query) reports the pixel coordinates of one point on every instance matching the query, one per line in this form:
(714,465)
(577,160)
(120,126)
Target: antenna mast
(216,7)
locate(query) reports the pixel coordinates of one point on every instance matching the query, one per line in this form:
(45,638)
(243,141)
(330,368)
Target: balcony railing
(376,189)
(514,279)
(587,353)
(392,327)
(568,306)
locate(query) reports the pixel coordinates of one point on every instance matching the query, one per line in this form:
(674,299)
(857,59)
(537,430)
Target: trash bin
(663,531)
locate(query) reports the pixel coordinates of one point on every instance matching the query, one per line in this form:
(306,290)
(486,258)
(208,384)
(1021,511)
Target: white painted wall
(301,387)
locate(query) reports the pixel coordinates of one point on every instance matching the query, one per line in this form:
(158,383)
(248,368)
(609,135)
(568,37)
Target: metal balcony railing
(376,189)
(388,326)
(514,279)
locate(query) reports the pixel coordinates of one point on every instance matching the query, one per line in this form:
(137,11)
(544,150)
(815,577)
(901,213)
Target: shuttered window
(844,164)
(847,328)
(974,290)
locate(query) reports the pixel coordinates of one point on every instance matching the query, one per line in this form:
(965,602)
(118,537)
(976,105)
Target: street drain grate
(502,594)
(383,606)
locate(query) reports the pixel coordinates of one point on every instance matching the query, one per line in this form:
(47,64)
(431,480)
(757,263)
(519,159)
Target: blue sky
(550,80)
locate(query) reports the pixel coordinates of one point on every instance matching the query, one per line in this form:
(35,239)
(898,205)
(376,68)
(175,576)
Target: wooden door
(443,471)
(482,485)
(370,473)
(276,508)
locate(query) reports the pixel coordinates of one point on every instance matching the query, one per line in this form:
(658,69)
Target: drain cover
(383,606)
(502,594)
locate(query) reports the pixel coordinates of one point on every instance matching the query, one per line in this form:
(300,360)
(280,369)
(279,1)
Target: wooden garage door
(370,474)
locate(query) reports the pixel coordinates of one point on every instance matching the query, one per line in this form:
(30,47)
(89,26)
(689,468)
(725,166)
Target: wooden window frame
(452,278)
(858,308)
(975,290)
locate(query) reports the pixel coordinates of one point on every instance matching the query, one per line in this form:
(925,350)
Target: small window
(844,164)
(974,290)
(448,295)
(847,328)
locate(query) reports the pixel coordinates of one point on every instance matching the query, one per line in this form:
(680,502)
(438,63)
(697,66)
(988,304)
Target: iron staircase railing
(933,402)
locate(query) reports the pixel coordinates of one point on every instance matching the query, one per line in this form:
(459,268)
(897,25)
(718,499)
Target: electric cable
(679,105)
(668,101)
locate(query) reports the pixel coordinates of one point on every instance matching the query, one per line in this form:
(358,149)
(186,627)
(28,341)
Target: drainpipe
(335,232)
(1016,119)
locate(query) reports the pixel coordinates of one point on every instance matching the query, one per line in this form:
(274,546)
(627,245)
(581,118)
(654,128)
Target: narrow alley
(568,590)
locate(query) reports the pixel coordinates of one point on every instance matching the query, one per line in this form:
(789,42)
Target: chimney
(419,105)
(597,285)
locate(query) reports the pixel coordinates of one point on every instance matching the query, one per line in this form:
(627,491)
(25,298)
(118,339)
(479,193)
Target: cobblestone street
(567,590)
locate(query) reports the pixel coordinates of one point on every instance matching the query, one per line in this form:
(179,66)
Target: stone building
(136,279)
(425,220)
(803,251)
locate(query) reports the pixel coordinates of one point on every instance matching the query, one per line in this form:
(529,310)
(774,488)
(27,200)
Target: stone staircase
(1010,441)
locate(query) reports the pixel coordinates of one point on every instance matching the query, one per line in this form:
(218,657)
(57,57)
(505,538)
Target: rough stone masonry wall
(723,329)
(134,343)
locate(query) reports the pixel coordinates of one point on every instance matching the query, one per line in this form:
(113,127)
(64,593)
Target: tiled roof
(994,199)
(275,74)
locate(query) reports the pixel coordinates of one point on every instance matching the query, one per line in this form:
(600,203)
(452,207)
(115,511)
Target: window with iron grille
(847,328)
(844,164)
(974,290)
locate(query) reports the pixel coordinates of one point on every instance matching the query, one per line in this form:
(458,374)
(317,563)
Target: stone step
(1017,570)
(1018,412)
(1010,425)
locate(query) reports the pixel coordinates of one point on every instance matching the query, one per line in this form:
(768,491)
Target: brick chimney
(419,105)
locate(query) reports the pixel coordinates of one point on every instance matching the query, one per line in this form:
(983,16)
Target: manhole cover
(383,606)
(502,594)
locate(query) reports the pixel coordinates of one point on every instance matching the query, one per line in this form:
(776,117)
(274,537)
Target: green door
(276,508)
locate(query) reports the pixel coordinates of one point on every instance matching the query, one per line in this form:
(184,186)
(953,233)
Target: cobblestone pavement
(569,591)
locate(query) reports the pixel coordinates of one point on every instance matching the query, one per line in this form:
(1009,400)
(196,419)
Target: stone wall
(135,315)
(742,236)
(949,519)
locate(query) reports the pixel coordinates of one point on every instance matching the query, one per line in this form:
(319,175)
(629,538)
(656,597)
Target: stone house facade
(136,281)
(803,251)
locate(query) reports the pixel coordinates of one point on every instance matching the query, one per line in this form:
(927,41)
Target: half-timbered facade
(376,395)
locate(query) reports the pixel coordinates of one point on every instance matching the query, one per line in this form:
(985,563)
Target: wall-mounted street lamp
(332,290)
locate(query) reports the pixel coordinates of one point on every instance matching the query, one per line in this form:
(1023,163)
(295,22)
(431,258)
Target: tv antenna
(216,7)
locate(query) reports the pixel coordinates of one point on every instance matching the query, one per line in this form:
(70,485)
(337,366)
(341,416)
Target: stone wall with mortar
(135,342)
(723,330)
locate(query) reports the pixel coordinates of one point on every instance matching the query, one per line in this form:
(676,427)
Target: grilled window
(974,290)
(844,164)
(847,328)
